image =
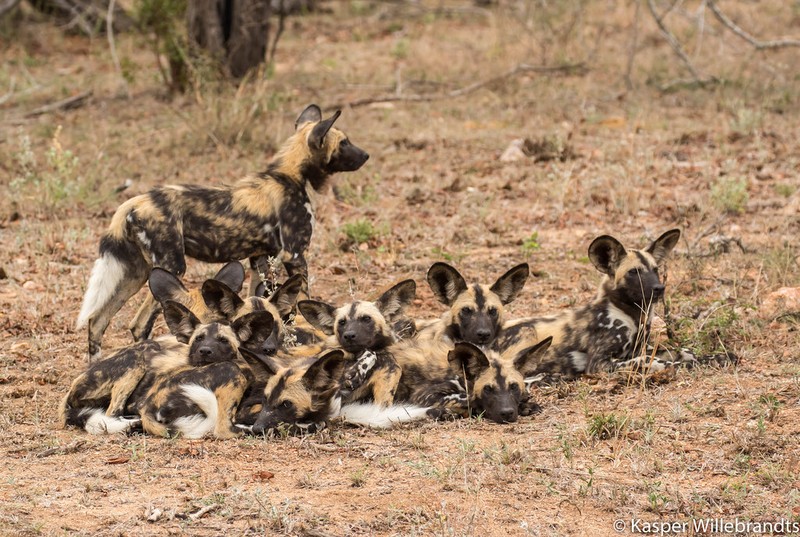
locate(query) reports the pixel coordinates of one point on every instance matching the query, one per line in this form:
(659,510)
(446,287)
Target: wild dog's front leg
(141,326)
(123,388)
(229,395)
(296,229)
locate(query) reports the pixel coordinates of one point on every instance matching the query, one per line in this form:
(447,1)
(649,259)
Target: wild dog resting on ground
(201,393)
(459,380)
(367,327)
(270,214)
(102,398)
(613,331)
(476,311)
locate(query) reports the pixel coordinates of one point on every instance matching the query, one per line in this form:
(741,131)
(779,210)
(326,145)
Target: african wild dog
(367,328)
(462,379)
(476,311)
(612,332)
(269,214)
(201,395)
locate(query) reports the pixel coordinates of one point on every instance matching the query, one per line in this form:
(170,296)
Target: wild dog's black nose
(349,336)
(658,291)
(483,334)
(508,415)
(205,352)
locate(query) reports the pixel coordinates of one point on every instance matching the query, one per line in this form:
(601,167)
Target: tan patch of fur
(256,196)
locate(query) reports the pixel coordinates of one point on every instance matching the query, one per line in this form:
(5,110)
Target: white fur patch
(107,273)
(579,360)
(198,425)
(99,423)
(381,417)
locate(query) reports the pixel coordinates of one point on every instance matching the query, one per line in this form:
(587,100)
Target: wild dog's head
(318,149)
(280,304)
(495,383)
(632,277)
(166,286)
(476,311)
(362,325)
(301,394)
(217,341)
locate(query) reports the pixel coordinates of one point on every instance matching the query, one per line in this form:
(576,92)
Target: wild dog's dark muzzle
(349,158)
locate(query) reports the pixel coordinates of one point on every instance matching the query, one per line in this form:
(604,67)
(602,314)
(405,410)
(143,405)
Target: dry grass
(706,443)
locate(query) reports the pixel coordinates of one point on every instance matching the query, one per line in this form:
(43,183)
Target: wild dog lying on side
(461,379)
(476,312)
(612,332)
(270,214)
(201,394)
(367,327)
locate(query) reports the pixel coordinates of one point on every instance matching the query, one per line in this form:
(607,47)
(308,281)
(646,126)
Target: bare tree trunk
(234,32)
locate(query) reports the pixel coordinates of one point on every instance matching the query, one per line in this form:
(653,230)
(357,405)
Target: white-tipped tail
(198,425)
(99,423)
(381,417)
(107,273)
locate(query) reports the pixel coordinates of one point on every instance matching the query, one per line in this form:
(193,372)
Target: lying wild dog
(201,393)
(459,380)
(611,332)
(99,400)
(302,394)
(269,214)
(476,312)
(367,327)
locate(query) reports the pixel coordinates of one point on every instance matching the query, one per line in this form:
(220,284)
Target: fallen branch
(575,69)
(758,45)
(676,47)
(202,512)
(70,103)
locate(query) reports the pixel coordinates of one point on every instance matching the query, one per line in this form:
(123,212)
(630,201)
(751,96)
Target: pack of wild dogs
(278,361)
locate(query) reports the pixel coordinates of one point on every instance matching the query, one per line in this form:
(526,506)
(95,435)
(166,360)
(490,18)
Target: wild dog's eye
(467,311)
(365,318)
(515,389)
(488,389)
(492,311)
(199,337)
(223,340)
(341,322)
(344,143)
(633,272)
(286,405)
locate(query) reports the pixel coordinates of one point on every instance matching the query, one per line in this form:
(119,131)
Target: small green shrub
(729,194)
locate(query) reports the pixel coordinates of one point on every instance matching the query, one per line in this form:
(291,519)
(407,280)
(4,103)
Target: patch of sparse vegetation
(606,426)
(729,194)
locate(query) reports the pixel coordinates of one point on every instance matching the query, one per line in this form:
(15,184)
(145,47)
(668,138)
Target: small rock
(31,285)
(514,151)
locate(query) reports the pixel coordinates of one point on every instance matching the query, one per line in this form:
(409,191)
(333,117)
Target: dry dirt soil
(619,145)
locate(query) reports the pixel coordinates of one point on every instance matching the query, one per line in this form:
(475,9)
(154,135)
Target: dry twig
(758,45)
(577,69)
(76,101)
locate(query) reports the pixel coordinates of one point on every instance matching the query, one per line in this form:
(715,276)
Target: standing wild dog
(612,332)
(201,394)
(269,214)
(367,330)
(476,312)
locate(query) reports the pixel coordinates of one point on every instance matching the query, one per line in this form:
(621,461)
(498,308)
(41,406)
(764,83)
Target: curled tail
(197,425)
(381,417)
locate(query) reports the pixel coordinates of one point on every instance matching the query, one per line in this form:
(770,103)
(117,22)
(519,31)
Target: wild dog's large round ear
(221,298)
(319,314)
(392,302)
(528,360)
(311,114)
(446,283)
(180,320)
(166,286)
(469,357)
(285,297)
(232,275)
(510,284)
(606,253)
(317,137)
(254,328)
(662,246)
(326,371)
(260,363)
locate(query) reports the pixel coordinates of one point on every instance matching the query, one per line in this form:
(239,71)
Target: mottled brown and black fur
(461,379)
(269,214)
(612,332)
(202,394)
(476,311)
(367,329)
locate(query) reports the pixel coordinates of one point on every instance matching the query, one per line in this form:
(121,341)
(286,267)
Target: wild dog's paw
(722,359)
(357,374)
(529,407)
